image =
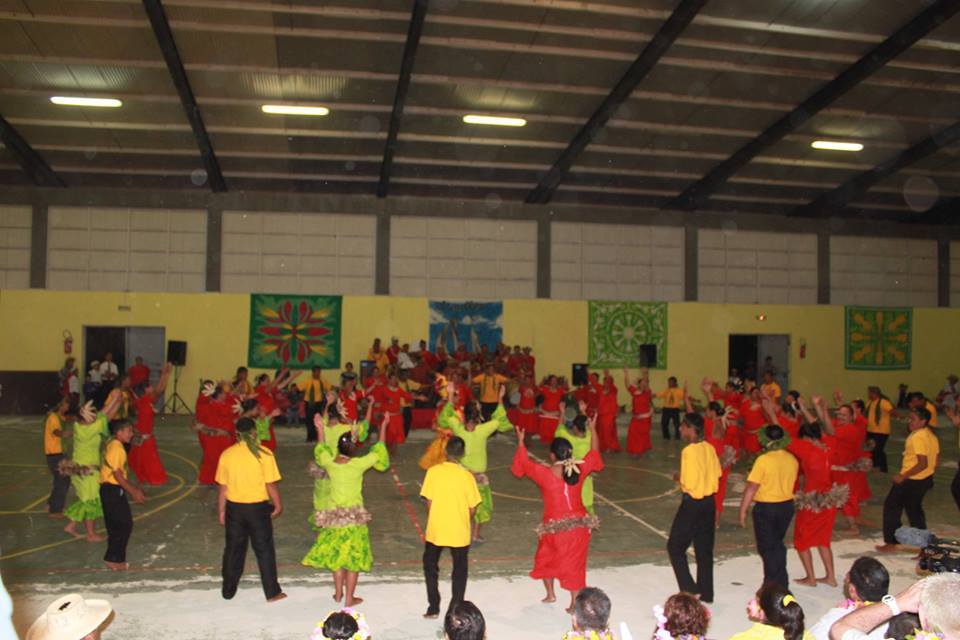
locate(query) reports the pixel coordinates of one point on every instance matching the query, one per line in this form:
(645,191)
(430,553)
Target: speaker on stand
(177,356)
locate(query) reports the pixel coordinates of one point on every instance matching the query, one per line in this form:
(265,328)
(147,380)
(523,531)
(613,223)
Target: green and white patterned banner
(878,337)
(617,329)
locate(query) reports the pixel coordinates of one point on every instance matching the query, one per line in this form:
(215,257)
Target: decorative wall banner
(878,337)
(469,323)
(293,331)
(617,329)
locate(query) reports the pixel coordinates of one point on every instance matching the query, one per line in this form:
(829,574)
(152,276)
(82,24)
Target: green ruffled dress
(86,451)
(581,445)
(342,544)
(475,456)
(321,486)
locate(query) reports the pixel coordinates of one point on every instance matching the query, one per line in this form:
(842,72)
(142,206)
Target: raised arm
(821,408)
(805,410)
(769,409)
(594,438)
(626,379)
(164,378)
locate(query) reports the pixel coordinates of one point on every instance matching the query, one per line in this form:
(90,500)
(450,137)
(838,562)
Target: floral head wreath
(569,466)
(363,629)
(662,633)
(772,445)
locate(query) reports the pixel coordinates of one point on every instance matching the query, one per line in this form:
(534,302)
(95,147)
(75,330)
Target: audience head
(683,616)
(691,428)
(867,580)
(776,606)
(902,625)
(345,624)
(560,451)
(938,609)
(591,610)
(672,381)
(71,618)
(455,448)
(464,621)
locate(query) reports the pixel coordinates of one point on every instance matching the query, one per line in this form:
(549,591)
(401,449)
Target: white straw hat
(70,618)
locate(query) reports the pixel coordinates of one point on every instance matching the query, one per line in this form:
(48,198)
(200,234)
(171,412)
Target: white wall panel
(120,249)
(463,258)
(616,262)
(756,267)
(15,229)
(883,271)
(298,253)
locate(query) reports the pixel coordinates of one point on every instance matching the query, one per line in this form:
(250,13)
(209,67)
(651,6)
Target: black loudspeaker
(579,374)
(648,355)
(177,352)
(367,370)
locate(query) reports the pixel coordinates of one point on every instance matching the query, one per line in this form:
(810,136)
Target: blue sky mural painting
(469,323)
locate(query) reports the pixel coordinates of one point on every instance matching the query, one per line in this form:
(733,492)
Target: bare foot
(72,530)
(95,537)
(337,597)
(888,548)
(852,532)
(808,581)
(354,602)
(431,616)
(569,609)
(549,599)
(116,566)
(277,598)
(56,516)
(830,581)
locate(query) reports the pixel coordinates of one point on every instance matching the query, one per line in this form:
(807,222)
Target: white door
(777,348)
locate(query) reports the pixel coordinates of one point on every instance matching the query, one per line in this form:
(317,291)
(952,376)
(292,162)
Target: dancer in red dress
(641,419)
(527,407)
(565,529)
(607,411)
(844,439)
(817,504)
(725,439)
(215,428)
(754,420)
(144,459)
(553,392)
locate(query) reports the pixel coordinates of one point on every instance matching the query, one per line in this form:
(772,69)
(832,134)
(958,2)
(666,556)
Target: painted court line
(407,505)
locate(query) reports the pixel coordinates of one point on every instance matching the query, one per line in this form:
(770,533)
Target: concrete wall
(15,226)
(883,271)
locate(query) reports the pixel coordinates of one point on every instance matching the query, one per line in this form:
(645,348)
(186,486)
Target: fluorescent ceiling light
(72,101)
(831,145)
(495,120)
(294,110)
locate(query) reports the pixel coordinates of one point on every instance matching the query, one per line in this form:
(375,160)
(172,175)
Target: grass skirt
(484,510)
(341,548)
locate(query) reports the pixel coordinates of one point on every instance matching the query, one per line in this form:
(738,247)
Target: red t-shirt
(138,373)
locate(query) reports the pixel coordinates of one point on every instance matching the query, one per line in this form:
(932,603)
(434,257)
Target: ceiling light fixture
(831,145)
(294,110)
(494,120)
(73,101)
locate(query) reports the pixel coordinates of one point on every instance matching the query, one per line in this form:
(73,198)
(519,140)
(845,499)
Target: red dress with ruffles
(563,554)
(144,459)
(813,528)
(846,448)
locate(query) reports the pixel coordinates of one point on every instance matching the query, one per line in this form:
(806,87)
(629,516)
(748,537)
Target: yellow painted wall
(215,327)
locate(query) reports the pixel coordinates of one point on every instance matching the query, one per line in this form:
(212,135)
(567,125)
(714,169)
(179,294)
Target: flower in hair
(920,634)
(363,629)
(569,466)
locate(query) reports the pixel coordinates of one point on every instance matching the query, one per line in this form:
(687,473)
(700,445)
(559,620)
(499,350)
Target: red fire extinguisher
(803,349)
(67,342)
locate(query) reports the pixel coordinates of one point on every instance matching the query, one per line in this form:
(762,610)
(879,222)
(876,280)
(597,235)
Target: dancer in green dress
(475,437)
(578,433)
(343,543)
(84,468)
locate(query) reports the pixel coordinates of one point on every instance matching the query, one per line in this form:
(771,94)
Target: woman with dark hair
(215,428)
(345,624)
(241,383)
(464,622)
(578,434)
(845,434)
(770,484)
(566,526)
(343,543)
(777,614)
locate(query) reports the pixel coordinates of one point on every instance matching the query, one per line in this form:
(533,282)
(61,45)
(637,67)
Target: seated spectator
(591,616)
(777,614)
(464,622)
(867,581)
(934,599)
(71,618)
(901,626)
(344,624)
(682,617)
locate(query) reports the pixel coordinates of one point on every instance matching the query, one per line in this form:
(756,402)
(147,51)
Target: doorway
(126,343)
(752,354)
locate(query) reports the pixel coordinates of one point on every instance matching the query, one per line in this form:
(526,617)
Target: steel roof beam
(32,162)
(904,38)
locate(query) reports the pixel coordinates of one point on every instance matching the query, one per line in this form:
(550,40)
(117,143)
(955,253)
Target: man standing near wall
(314,391)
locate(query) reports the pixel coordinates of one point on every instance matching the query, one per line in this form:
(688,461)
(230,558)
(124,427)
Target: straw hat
(70,618)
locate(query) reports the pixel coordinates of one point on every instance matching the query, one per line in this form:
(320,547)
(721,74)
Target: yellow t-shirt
(922,442)
(313,389)
(115,459)
(452,491)
(776,473)
(409,386)
(699,470)
(672,397)
(244,475)
(932,408)
(380,360)
(882,425)
(760,631)
(52,444)
(771,390)
(489,386)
